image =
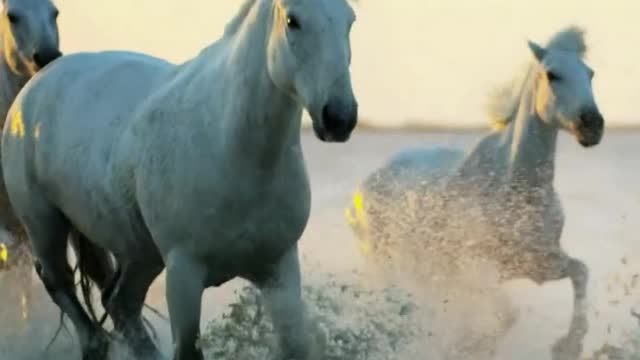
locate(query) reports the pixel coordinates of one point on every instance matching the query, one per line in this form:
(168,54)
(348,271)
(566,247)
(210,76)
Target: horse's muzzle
(590,129)
(338,119)
(43,57)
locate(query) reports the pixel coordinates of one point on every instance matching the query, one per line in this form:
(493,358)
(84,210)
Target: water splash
(349,320)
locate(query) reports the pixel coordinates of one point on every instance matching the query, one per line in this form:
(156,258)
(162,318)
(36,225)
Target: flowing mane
(503,102)
(235,23)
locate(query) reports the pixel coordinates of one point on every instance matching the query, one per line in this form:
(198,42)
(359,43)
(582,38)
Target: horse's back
(95,81)
(75,112)
(78,107)
(413,168)
(426,161)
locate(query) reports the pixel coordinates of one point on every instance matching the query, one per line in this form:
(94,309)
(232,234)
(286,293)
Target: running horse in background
(196,167)
(499,199)
(28,41)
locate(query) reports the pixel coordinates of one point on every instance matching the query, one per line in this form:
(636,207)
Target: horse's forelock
(570,39)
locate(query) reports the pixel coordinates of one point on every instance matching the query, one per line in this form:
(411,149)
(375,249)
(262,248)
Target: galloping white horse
(28,42)
(196,167)
(500,197)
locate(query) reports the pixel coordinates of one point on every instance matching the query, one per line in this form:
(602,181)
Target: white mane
(235,23)
(503,102)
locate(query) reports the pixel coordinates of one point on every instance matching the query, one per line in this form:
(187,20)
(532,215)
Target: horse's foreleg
(281,290)
(570,346)
(546,265)
(185,284)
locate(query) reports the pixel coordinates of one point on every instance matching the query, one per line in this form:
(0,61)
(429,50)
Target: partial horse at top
(196,167)
(28,41)
(443,207)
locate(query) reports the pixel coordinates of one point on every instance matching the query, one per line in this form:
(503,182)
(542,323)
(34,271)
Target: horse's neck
(256,120)
(529,145)
(10,83)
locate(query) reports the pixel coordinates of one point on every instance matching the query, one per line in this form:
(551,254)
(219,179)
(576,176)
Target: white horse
(194,167)
(499,200)
(28,42)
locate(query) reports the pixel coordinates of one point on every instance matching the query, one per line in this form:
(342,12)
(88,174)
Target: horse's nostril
(329,119)
(37,58)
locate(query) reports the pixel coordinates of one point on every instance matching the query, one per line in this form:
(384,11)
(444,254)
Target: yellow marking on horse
(17,125)
(36,131)
(4,253)
(358,221)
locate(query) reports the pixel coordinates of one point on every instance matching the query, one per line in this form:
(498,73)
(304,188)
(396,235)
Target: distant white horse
(28,42)
(197,167)
(498,200)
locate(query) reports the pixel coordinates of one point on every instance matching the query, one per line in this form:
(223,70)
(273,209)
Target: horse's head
(564,96)
(309,55)
(30,34)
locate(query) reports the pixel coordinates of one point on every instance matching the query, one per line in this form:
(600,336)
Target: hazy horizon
(416,62)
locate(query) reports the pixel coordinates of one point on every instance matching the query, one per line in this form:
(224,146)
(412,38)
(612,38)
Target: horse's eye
(13,18)
(552,76)
(292,22)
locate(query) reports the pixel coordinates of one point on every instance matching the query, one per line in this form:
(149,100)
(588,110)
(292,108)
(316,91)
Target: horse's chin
(587,143)
(588,139)
(328,137)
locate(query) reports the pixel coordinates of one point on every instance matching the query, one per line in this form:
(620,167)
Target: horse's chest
(262,224)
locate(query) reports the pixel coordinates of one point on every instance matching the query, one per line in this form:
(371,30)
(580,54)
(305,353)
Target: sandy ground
(601,199)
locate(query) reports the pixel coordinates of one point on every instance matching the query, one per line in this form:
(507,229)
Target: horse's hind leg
(48,230)
(556,265)
(126,302)
(281,290)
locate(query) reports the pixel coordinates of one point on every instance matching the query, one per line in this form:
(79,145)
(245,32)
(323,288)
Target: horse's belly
(120,232)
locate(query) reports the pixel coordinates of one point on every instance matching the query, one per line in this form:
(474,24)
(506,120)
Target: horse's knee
(579,274)
(577,269)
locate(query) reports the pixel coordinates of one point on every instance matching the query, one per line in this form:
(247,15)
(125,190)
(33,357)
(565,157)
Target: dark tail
(96,268)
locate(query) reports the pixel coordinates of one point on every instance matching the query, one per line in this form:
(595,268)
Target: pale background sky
(428,61)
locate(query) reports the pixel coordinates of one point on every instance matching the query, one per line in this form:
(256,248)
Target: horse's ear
(538,51)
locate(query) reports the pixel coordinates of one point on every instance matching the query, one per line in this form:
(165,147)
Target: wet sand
(601,200)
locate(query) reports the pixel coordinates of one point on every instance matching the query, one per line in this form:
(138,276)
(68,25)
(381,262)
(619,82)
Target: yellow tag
(17,125)
(4,253)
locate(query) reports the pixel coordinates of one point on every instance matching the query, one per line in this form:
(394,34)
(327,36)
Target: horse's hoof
(149,354)
(98,348)
(566,348)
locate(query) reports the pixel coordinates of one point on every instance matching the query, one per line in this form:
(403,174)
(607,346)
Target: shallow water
(601,200)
